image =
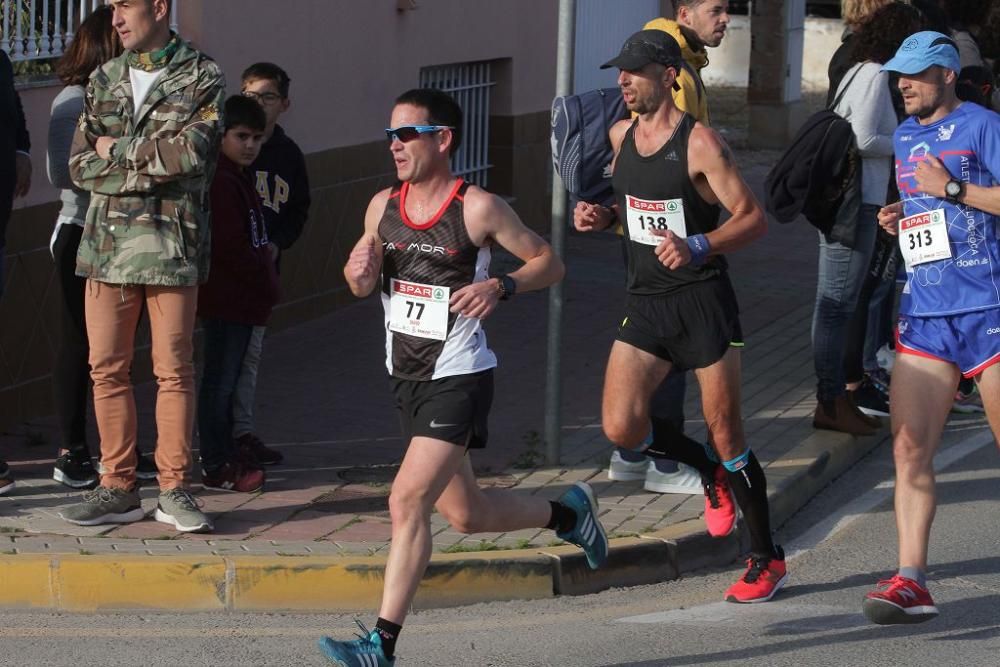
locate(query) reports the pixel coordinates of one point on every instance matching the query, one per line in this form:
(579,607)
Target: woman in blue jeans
(864,100)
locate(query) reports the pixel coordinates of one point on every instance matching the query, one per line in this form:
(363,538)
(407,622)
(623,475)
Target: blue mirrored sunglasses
(407,133)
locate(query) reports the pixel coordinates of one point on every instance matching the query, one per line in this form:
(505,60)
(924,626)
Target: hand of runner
(362,265)
(932,176)
(888,217)
(591,217)
(476,300)
(673,252)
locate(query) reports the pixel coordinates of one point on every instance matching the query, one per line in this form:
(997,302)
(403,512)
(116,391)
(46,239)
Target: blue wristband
(699,247)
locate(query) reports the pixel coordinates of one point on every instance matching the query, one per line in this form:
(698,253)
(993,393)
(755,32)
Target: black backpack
(819,176)
(581,147)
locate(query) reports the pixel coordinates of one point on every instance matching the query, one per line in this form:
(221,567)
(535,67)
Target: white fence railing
(469,84)
(38,29)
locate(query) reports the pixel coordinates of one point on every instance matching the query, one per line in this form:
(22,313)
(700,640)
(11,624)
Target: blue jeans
(225,345)
(841,275)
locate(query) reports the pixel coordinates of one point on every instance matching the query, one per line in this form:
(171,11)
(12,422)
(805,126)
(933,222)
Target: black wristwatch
(953,190)
(506,287)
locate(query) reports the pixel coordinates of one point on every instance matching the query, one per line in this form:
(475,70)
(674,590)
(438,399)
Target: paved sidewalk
(324,401)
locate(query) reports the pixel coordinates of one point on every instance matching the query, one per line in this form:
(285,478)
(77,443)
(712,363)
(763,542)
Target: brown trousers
(112,315)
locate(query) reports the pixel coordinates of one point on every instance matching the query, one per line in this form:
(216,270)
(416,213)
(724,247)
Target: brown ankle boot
(840,414)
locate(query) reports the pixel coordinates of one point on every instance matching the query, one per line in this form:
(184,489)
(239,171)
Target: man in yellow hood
(700,24)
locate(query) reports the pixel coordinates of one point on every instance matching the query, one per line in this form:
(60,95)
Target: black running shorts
(455,409)
(691,329)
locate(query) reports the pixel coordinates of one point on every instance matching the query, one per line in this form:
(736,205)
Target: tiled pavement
(324,401)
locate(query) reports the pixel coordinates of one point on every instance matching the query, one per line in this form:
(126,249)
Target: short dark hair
(442,109)
(269,72)
(244,111)
(95,43)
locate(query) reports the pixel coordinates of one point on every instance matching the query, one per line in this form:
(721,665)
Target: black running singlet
(423,266)
(655,192)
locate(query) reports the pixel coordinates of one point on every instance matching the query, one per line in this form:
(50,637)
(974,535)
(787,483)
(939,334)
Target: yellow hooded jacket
(691,97)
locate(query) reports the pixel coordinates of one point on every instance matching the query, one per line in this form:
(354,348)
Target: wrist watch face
(953,188)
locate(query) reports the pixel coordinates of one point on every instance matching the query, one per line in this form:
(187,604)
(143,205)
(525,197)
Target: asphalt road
(842,543)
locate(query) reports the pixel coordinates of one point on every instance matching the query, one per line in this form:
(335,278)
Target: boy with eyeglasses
(281,180)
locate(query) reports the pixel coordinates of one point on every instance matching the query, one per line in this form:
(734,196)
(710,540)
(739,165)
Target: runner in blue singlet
(948,172)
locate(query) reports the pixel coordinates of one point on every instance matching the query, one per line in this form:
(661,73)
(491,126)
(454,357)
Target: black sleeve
(296,211)
(22,139)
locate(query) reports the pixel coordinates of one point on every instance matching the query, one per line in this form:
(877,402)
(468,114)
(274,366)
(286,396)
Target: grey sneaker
(105,505)
(180,509)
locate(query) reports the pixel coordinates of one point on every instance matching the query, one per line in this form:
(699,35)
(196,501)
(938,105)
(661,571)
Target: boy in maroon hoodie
(242,289)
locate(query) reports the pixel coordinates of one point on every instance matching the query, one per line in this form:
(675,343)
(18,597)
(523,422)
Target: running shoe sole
(8,487)
(616,476)
(777,587)
(125,517)
(163,517)
(883,612)
(874,412)
(678,489)
(64,479)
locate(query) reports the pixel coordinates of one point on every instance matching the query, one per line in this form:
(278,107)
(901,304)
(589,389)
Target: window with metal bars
(469,84)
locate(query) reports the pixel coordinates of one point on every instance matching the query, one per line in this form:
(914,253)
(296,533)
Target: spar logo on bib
(422,291)
(649,206)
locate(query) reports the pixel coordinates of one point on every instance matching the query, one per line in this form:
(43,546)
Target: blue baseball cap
(922,50)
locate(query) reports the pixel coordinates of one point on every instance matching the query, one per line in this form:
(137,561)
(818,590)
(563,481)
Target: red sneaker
(899,600)
(720,510)
(764,577)
(234,476)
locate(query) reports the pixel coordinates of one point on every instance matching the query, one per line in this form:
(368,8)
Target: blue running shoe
(588,533)
(365,651)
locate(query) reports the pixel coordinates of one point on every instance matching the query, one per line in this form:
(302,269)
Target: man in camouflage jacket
(146,149)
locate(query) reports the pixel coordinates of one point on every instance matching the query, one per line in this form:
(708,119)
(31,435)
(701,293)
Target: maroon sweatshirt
(242,284)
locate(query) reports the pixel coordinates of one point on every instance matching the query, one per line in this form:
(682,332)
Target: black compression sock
(563,518)
(669,442)
(388,631)
(750,491)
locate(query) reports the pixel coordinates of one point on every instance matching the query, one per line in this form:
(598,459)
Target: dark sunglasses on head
(407,133)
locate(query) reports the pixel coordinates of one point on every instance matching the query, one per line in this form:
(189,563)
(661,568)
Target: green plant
(468,547)
(531,457)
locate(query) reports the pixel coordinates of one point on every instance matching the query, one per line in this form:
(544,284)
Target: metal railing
(39,29)
(469,84)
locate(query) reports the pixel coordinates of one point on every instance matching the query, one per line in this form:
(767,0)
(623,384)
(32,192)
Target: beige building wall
(348,59)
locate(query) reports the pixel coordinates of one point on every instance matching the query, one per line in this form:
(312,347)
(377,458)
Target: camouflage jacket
(148,221)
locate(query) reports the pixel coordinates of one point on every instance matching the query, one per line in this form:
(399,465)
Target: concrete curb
(83,583)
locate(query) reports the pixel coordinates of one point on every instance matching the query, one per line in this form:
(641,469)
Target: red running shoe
(764,577)
(720,510)
(899,600)
(235,476)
